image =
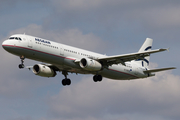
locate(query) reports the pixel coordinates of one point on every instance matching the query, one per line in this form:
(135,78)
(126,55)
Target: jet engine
(89,64)
(43,71)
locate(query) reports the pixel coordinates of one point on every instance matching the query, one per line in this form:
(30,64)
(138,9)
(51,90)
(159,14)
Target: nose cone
(4,44)
(9,46)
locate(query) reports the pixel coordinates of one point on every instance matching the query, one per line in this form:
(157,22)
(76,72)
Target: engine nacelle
(89,64)
(43,71)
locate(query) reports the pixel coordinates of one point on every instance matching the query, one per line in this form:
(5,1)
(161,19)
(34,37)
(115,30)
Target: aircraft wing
(110,60)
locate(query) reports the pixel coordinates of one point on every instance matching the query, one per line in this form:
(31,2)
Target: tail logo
(148,48)
(145,60)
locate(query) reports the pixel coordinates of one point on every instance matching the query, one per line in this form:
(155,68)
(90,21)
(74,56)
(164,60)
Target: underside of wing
(68,69)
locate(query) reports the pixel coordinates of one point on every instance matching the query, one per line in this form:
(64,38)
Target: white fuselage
(64,57)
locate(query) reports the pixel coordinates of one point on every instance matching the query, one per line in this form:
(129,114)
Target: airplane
(67,59)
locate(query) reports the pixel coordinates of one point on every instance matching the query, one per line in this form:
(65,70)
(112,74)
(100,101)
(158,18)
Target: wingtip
(171,68)
(164,49)
(174,68)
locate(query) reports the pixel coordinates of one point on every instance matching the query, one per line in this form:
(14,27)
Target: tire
(64,82)
(97,78)
(21,66)
(68,82)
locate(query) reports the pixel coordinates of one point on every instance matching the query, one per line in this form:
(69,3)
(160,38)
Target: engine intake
(89,64)
(43,71)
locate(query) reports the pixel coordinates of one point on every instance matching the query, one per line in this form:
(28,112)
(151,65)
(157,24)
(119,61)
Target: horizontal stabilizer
(158,70)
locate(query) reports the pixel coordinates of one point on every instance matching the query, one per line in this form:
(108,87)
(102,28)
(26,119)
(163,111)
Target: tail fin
(146,47)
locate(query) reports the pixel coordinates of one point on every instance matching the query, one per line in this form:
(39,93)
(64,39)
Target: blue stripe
(148,48)
(144,60)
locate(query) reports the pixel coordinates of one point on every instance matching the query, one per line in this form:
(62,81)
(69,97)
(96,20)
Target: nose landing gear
(22,62)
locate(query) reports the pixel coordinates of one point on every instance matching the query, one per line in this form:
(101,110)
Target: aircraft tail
(146,47)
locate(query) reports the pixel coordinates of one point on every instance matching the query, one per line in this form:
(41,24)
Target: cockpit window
(11,38)
(15,38)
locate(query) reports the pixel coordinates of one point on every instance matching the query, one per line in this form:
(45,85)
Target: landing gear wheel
(21,66)
(22,61)
(97,78)
(66,82)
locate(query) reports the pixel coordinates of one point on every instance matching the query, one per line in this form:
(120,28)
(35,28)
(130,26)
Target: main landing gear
(97,78)
(22,62)
(65,81)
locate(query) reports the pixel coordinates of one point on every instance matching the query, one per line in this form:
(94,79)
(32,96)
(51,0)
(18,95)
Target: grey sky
(109,27)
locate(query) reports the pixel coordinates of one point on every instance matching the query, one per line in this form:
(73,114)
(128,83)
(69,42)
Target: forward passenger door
(61,50)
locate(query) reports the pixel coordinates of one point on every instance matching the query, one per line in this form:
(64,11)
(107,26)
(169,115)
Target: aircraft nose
(5,44)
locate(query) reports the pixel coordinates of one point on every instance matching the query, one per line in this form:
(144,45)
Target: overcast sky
(109,27)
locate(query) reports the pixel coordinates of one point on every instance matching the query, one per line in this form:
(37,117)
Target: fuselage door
(30,43)
(61,50)
(136,70)
(29,40)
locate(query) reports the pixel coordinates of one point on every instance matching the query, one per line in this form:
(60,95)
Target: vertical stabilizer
(146,47)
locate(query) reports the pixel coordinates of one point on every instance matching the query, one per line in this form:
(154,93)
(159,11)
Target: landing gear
(21,66)
(97,78)
(22,61)
(66,81)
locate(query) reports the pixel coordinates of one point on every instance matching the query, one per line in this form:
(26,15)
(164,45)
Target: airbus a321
(67,59)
